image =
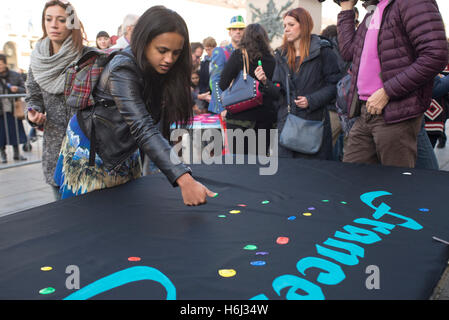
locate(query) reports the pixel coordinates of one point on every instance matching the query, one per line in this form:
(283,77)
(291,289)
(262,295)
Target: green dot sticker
(222,216)
(250,247)
(324,200)
(343,202)
(265,202)
(48,290)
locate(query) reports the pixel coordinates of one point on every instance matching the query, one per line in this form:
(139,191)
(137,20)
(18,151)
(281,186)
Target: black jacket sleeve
(126,90)
(231,69)
(331,76)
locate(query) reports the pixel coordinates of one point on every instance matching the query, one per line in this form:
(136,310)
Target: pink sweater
(369,80)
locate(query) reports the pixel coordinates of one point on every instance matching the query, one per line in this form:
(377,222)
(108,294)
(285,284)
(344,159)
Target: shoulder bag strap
(245,64)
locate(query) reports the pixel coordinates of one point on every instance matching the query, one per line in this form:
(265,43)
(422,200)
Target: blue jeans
(426,158)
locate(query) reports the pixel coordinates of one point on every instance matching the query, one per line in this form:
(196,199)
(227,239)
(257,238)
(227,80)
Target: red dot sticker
(134,259)
(282,240)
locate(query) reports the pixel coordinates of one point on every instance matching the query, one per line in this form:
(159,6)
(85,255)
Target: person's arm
(331,75)
(35,111)
(346,30)
(216,66)
(18,85)
(424,26)
(440,87)
(231,70)
(125,88)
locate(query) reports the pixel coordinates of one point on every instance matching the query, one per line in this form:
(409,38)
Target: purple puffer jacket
(412,50)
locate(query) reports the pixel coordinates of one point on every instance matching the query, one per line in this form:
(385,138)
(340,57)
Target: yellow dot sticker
(307,214)
(227,273)
(234,211)
(46,268)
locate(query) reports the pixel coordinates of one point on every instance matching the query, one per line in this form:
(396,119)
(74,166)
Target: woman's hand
(204,96)
(260,75)
(36,117)
(193,192)
(302,102)
(223,114)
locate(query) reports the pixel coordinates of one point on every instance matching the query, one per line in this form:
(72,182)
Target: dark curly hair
(255,41)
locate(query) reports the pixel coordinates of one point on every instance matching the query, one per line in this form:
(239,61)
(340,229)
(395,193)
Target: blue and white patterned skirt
(73,174)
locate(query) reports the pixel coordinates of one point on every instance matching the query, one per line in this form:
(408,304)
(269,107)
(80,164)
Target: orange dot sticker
(282,240)
(134,259)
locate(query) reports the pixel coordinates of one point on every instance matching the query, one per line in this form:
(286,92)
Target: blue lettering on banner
(123,277)
(333,274)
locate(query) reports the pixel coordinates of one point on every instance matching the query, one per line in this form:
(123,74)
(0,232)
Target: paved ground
(22,187)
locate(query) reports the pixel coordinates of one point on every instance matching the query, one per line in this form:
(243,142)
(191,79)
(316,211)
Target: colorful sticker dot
(282,240)
(307,214)
(134,259)
(343,202)
(241,205)
(48,290)
(407,173)
(424,210)
(250,247)
(311,208)
(265,202)
(324,200)
(227,273)
(234,211)
(291,218)
(261,253)
(222,216)
(215,195)
(258,263)
(46,268)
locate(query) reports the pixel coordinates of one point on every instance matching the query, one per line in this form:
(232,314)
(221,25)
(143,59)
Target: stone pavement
(22,187)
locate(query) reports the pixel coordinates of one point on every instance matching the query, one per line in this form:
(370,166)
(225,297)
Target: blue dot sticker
(258,263)
(424,210)
(291,218)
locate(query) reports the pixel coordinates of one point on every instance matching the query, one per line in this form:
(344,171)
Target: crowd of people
(389,71)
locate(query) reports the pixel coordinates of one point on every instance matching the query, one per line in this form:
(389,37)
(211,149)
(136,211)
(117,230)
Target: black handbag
(298,134)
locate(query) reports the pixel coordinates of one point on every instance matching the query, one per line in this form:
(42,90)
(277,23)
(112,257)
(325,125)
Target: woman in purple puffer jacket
(396,52)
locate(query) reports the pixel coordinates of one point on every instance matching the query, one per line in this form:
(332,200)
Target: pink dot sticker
(282,240)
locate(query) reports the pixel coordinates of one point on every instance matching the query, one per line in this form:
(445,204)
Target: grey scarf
(49,71)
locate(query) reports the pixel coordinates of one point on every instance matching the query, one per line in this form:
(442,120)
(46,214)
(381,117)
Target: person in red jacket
(396,52)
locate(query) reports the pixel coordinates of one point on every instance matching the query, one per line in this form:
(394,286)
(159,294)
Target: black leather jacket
(120,82)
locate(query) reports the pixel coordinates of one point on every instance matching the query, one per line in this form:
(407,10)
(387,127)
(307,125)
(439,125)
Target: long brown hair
(256,42)
(78,35)
(305,20)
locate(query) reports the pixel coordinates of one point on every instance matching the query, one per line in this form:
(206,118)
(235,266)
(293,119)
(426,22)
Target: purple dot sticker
(261,253)
(311,208)
(258,263)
